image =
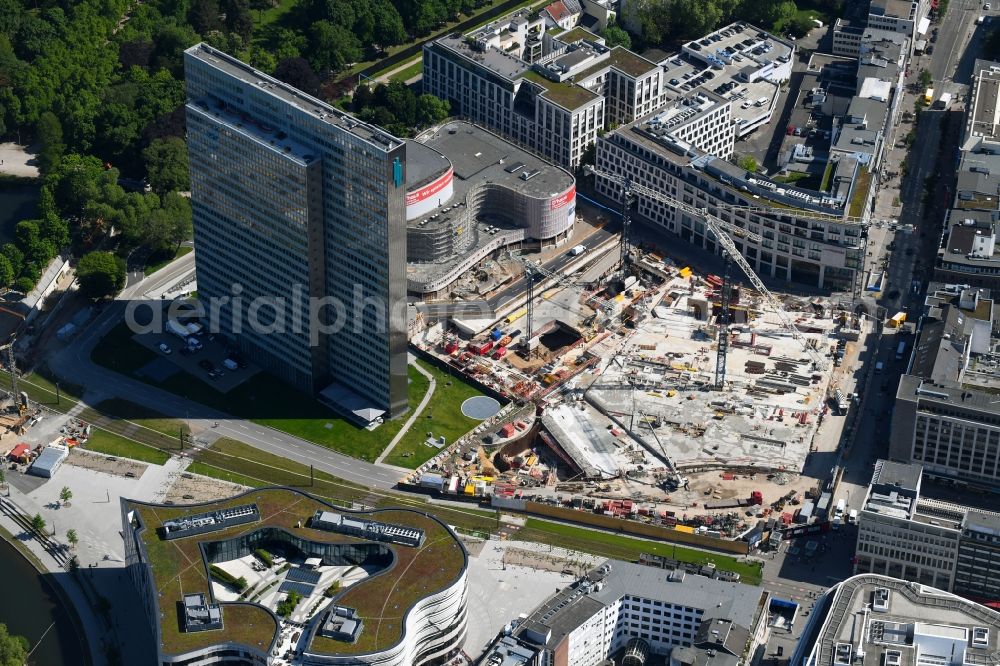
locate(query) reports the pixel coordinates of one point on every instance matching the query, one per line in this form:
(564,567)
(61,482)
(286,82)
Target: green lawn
(297,413)
(116,445)
(608,544)
(161,260)
(442,416)
(146,428)
(42,390)
(409,72)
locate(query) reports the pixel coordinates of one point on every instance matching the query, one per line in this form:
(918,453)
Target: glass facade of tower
(300,231)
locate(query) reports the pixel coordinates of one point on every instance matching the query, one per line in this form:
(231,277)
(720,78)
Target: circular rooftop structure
(481,407)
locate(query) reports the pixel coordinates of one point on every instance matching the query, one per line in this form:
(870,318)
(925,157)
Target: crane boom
(719,229)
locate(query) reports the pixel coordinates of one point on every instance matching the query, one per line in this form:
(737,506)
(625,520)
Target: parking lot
(205,364)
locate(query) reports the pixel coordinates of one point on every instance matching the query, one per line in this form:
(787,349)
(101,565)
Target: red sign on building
(430,190)
(563,199)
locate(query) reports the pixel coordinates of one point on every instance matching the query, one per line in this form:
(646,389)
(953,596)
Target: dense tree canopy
(101,274)
(13,649)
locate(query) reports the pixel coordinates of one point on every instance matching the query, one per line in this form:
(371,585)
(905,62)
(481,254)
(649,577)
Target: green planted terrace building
(409,611)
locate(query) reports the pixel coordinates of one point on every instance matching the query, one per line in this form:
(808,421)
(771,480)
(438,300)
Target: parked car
(165,348)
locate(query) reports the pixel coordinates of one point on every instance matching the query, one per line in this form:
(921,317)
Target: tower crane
(719,229)
(535,273)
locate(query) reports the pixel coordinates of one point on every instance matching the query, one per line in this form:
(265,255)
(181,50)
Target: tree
(178,210)
(204,16)
(38,523)
(14,257)
(6,275)
(799,26)
(333,46)
(431,109)
(13,649)
(925,78)
(72,538)
(101,274)
(615,36)
(167,165)
(49,133)
(299,73)
(65,495)
(747,162)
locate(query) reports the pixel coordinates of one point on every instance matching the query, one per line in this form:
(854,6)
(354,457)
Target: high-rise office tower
(300,232)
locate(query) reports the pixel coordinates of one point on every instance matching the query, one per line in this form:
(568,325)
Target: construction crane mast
(533,273)
(719,229)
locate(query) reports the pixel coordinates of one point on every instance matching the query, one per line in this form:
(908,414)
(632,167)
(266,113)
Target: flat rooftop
(417,572)
(985,119)
(570,607)
(478,155)
(914,621)
(379,138)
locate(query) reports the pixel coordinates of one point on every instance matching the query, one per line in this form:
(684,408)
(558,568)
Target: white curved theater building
(470,193)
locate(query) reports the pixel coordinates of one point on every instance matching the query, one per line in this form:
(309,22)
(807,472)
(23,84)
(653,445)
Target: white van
(761,102)
(852,517)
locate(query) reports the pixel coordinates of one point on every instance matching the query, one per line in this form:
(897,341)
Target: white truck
(852,517)
(577,250)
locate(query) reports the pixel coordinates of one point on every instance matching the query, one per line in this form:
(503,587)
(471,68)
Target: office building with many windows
(300,230)
(626,608)
(932,542)
(946,416)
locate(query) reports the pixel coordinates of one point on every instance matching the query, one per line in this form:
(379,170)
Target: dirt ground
(99,462)
(545,561)
(187,488)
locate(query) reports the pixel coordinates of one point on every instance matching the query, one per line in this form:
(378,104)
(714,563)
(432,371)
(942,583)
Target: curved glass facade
(275,539)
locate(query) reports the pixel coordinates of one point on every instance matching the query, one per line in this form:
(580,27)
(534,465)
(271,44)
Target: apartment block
(546,88)
(297,205)
(908,17)
(905,535)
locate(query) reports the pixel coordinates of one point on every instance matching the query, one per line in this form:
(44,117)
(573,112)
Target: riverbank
(36,606)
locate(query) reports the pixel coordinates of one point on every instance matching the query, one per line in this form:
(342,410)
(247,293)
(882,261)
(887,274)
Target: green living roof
(566,95)
(381,600)
(576,34)
(624,61)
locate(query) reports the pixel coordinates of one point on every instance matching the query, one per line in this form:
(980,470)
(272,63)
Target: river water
(31,609)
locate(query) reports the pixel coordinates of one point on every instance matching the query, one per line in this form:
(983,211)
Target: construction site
(650,391)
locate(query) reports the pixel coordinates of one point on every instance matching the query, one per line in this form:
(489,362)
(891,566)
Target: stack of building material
(754,367)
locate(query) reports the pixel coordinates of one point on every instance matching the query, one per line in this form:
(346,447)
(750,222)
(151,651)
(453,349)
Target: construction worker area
(665,396)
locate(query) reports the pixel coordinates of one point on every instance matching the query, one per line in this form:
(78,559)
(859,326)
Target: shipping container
(496,334)
(684,528)
(514,316)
